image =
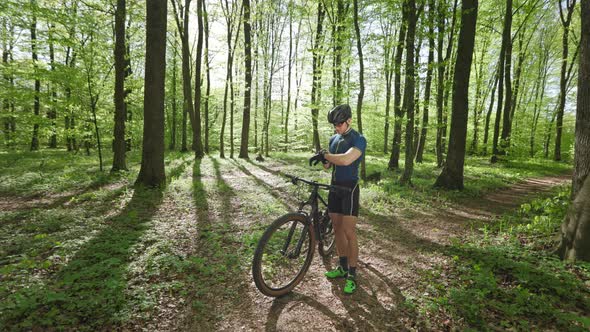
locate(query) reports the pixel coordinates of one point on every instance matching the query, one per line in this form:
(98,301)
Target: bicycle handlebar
(295,179)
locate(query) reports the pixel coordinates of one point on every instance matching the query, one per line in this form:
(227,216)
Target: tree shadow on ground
(89,291)
(277,194)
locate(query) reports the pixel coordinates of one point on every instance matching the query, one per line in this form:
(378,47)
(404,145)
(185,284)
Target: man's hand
(318,157)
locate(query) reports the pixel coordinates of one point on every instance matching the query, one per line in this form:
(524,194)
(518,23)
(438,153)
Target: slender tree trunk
(290,66)
(248,80)
(152,172)
(174,102)
(36,104)
(565,21)
(398,111)
(409,92)
(451,176)
(505,136)
(119,149)
(359,103)
(427,88)
(52,113)
(197,142)
(541,84)
(208,74)
(501,74)
(479,99)
(181,16)
(317,76)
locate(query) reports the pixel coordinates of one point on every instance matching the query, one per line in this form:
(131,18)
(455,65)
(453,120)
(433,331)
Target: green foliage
(506,281)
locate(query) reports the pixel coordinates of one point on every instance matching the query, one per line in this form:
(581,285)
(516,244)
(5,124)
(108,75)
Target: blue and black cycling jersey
(341,144)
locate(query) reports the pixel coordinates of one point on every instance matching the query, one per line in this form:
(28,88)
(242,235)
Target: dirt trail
(393,252)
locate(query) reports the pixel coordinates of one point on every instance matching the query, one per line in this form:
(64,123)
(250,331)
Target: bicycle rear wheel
(283,255)
(328,240)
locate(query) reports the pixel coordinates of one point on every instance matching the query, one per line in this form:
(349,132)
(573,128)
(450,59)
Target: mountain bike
(285,250)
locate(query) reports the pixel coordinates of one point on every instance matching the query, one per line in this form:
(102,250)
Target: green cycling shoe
(336,273)
(350,286)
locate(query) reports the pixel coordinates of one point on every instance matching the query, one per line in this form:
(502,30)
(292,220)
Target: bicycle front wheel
(283,255)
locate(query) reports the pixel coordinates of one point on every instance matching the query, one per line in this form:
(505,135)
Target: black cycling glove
(318,157)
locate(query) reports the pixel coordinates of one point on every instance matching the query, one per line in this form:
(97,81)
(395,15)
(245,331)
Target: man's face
(342,127)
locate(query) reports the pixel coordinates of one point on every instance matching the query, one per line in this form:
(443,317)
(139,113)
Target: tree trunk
(501,74)
(181,17)
(582,145)
(505,136)
(489,112)
(152,172)
(451,176)
(570,4)
(398,112)
(317,76)
(359,103)
(197,142)
(409,92)
(427,88)
(575,229)
(36,105)
(541,84)
(52,113)
(119,149)
(174,108)
(208,74)
(248,79)
(289,70)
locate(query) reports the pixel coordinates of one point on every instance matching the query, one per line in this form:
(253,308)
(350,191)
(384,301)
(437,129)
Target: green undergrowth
(507,278)
(83,249)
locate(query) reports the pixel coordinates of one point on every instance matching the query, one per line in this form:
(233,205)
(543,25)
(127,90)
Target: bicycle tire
(327,239)
(273,239)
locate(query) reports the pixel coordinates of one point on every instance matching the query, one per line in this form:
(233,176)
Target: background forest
(59,60)
(144,147)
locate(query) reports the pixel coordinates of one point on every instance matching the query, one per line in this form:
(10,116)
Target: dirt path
(394,251)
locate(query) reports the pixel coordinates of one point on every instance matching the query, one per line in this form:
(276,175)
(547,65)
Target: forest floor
(101,255)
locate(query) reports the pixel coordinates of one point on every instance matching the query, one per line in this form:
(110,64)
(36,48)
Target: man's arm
(344,159)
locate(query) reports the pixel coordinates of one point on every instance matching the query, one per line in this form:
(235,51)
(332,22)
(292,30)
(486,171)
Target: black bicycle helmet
(339,114)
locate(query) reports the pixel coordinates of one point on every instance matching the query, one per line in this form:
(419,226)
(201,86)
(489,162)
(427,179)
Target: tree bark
(181,16)
(359,103)
(208,75)
(575,229)
(317,76)
(248,79)
(173,126)
(582,145)
(119,149)
(451,176)
(565,21)
(398,112)
(501,74)
(197,141)
(152,173)
(409,93)
(36,104)
(52,113)
(505,135)
(427,88)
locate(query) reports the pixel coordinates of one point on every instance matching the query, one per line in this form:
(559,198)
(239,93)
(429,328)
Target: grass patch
(508,279)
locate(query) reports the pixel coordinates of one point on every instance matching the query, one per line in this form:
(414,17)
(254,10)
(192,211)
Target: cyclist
(346,151)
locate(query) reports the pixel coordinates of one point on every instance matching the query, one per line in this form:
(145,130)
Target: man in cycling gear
(346,151)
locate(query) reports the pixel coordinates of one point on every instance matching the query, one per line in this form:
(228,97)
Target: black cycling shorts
(343,202)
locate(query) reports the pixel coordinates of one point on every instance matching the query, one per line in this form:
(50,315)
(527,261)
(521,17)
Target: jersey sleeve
(330,144)
(360,143)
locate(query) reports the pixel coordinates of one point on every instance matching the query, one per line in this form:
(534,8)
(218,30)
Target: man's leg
(349,229)
(349,226)
(341,248)
(339,235)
